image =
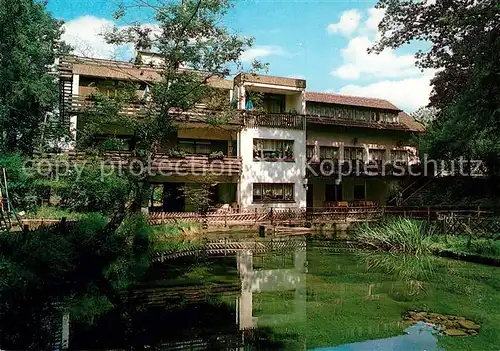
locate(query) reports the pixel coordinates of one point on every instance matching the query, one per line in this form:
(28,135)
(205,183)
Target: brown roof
(411,123)
(264,79)
(329,98)
(406,122)
(122,70)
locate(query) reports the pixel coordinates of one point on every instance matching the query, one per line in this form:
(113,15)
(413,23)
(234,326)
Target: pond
(305,296)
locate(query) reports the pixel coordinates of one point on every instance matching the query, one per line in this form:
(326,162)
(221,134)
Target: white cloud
(348,23)
(408,94)
(374,18)
(83,33)
(260,52)
(387,64)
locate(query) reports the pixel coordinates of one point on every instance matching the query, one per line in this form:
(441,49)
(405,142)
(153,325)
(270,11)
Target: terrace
(77,104)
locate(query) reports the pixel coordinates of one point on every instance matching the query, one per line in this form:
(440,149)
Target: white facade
(272,172)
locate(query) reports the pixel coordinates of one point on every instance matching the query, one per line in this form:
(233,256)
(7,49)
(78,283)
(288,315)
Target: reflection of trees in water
(210,325)
(194,314)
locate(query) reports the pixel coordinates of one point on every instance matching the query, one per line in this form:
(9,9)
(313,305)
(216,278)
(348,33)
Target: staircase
(412,189)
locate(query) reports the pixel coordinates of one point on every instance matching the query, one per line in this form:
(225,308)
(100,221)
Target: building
(295,150)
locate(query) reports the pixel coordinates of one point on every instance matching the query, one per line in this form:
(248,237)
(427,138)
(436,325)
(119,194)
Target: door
(310,196)
(173,198)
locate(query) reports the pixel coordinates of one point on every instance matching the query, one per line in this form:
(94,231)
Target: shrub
(396,235)
(91,191)
(25,188)
(398,246)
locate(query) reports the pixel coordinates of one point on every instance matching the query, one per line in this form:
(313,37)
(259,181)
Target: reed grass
(399,235)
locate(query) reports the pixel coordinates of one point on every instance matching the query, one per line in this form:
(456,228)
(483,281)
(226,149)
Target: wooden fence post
(428,214)
(272,216)
(478,211)
(255,214)
(225,219)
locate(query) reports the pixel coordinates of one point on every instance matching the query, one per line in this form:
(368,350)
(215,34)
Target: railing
(351,122)
(161,164)
(327,168)
(254,119)
(295,215)
(78,104)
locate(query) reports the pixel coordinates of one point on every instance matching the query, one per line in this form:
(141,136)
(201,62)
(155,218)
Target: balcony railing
(350,122)
(160,164)
(254,119)
(76,104)
(332,168)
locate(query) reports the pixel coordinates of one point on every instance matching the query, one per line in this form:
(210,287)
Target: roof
(265,79)
(329,98)
(121,70)
(411,123)
(406,122)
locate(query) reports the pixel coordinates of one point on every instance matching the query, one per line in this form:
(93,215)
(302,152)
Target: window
(310,151)
(399,156)
(329,153)
(375,116)
(333,192)
(389,117)
(274,103)
(377,155)
(266,149)
(359,192)
(354,153)
(202,147)
(273,192)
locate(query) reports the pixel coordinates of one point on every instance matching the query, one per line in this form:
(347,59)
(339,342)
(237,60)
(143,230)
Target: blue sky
(322,41)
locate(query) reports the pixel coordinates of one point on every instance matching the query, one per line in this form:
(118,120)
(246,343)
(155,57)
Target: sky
(322,41)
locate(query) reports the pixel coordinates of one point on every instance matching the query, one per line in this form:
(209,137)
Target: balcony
(357,168)
(77,104)
(253,119)
(161,164)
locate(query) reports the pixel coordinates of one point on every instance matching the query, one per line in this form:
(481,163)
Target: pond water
(305,295)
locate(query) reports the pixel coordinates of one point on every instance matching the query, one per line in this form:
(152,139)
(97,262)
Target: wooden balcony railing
(161,164)
(254,119)
(76,104)
(351,122)
(327,168)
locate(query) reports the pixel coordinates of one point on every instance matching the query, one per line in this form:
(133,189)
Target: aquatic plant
(401,247)
(181,235)
(399,235)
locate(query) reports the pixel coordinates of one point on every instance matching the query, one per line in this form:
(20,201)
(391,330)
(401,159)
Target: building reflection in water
(255,281)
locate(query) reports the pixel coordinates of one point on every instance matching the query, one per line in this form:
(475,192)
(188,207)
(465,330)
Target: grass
(179,236)
(467,245)
(52,212)
(395,236)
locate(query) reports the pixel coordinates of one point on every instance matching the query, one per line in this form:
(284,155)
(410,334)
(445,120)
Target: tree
(28,92)
(464,39)
(425,115)
(80,269)
(195,49)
